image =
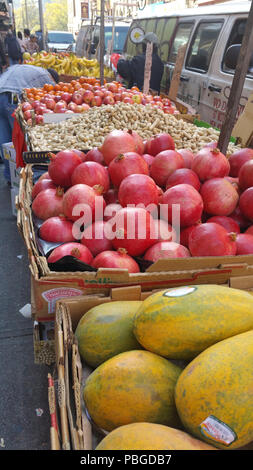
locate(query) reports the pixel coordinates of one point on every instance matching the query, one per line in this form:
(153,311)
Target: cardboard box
(77,432)
(47,287)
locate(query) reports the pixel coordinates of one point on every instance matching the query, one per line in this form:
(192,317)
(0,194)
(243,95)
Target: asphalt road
(24,411)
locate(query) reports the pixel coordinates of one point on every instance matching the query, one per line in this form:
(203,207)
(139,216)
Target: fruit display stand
(76,430)
(49,286)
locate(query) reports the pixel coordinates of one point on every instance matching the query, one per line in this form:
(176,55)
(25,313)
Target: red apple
(117,97)
(66,97)
(128,100)
(39,119)
(50,103)
(26,107)
(61,105)
(108,100)
(27,114)
(96,101)
(77,97)
(99,93)
(88,96)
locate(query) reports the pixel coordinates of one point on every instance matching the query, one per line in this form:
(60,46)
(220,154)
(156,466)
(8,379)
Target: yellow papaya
(150,436)
(107,330)
(180,323)
(134,386)
(214,393)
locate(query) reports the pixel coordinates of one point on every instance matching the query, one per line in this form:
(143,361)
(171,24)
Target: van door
(195,73)
(215,95)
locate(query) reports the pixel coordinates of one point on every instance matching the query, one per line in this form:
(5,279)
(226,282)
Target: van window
(181,37)
(236,37)
(166,37)
(202,46)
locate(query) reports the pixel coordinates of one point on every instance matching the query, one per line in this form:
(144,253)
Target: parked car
(213,35)
(60,41)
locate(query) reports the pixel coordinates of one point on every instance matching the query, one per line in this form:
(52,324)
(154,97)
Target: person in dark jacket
(3,61)
(13,48)
(133,70)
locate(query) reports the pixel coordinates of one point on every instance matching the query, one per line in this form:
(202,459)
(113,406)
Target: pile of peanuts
(88,130)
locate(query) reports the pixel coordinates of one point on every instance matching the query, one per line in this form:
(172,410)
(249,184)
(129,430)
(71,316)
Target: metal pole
(42,24)
(238,83)
(102,40)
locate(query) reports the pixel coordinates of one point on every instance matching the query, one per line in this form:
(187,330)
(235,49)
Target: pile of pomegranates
(80,96)
(119,205)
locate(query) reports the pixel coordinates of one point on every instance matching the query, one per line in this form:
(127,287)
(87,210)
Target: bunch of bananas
(67,64)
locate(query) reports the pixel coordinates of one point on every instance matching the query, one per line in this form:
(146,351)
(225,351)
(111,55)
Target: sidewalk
(24,411)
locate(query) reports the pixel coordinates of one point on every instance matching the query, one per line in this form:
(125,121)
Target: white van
(60,41)
(211,34)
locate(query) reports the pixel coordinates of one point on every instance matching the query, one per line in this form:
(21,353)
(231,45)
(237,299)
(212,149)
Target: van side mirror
(232,55)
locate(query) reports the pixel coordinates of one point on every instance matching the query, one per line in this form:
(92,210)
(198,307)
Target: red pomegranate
(139,145)
(126,164)
(239,218)
(148,159)
(61,167)
(95,239)
(111,210)
(159,143)
(116,143)
(80,201)
(183,176)
(44,176)
(116,259)
(244,244)
(188,157)
(185,198)
(219,196)
(210,239)
(229,224)
(42,184)
(246,175)
(48,203)
(249,230)
(138,189)
(163,250)
(94,155)
(210,163)
(77,250)
(246,203)
(80,154)
(163,232)
(237,159)
(185,233)
(111,196)
(92,174)
(132,230)
(164,164)
(57,230)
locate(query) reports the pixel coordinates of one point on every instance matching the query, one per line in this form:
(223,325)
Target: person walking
(21,42)
(12,83)
(13,48)
(3,61)
(133,70)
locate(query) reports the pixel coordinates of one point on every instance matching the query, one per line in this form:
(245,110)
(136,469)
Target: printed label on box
(52,295)
(218,431)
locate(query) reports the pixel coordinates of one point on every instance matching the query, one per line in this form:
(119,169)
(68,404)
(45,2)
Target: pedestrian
(21,42)
(12,83)
(32,45)
(27,35)
(13,48)
(133,70)
(3,61)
